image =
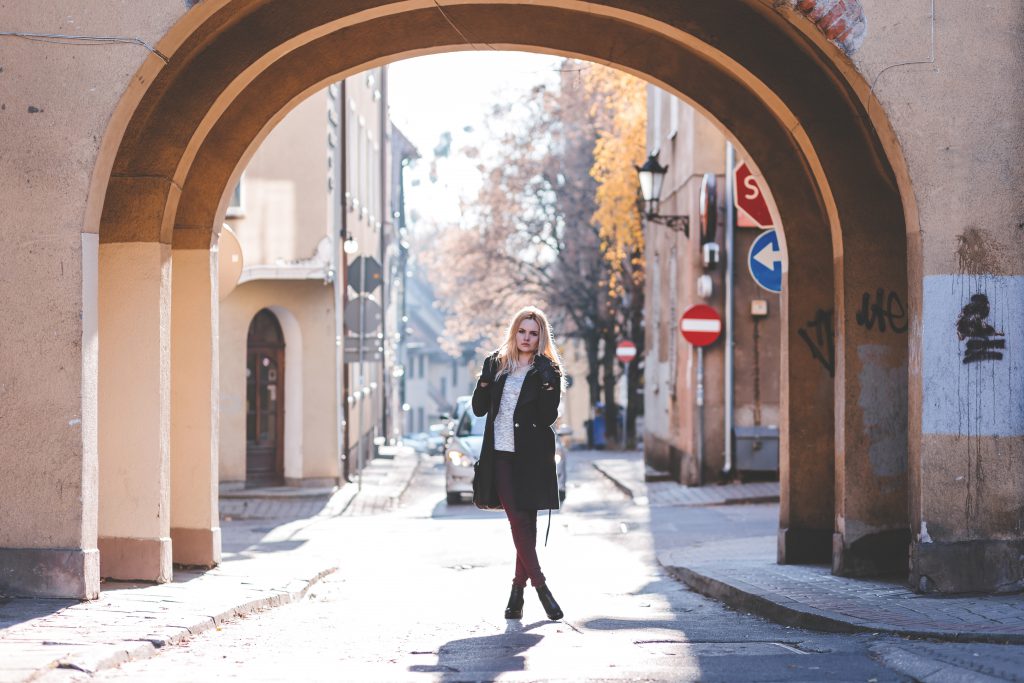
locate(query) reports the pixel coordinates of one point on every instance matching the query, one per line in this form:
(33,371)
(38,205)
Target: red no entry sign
(700,325)
(625,351)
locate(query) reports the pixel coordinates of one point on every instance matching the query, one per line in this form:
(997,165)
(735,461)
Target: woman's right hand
(489,371)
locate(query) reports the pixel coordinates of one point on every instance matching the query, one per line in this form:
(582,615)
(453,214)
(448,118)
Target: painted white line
(701,325)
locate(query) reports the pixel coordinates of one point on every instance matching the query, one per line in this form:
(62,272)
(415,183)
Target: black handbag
(481,498)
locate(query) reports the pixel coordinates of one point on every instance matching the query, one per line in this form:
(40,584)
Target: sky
(453,92)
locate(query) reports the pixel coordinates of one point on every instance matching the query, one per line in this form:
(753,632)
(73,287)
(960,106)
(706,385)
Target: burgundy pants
(523,523)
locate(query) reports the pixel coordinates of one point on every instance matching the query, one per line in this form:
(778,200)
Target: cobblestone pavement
(419,592)
(132,621)
(626,470)
(743,572)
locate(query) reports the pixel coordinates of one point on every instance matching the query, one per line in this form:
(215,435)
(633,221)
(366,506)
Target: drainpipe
(340,287)
(730,265)
(386,223)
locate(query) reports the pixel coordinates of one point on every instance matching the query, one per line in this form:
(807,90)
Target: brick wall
(842,21)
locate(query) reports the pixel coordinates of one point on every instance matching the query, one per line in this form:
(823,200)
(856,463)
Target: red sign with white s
(750,197)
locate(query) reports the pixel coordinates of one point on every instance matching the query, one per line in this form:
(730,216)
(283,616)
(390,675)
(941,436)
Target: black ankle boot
(515,604)
(551,607)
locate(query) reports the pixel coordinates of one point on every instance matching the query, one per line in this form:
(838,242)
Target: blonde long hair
(508,360)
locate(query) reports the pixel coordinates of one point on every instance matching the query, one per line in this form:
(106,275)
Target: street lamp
(652,178)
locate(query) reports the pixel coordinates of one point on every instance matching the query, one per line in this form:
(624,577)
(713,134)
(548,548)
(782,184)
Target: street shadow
(16,611)
(491,656)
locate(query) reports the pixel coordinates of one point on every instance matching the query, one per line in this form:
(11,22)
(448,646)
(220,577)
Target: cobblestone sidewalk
(743,574)
(626,470)
(133,620)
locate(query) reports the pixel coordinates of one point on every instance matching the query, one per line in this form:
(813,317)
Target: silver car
(464,451)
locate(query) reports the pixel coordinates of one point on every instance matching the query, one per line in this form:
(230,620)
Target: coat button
(517,424)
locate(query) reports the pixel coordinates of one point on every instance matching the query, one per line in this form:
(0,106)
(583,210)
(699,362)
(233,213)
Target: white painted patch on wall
(923,537)
(74,422)
(973,362)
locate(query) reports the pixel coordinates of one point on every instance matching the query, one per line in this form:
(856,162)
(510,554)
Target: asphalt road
(421,591)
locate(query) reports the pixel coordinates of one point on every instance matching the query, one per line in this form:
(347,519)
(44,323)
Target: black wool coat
(536,486)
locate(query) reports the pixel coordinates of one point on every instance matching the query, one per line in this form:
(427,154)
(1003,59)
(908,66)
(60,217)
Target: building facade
(694,150)
(310,203)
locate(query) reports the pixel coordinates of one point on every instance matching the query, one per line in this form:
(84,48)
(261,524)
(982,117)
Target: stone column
(872,534)
(195,403)
(134,410)
(807,443)
(48,355)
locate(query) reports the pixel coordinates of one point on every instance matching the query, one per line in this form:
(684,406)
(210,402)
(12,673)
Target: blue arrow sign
(765,261)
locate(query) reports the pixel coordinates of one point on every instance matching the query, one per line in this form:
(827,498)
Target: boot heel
(547,600)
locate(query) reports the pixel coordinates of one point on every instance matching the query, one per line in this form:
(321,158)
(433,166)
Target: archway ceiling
(741,61)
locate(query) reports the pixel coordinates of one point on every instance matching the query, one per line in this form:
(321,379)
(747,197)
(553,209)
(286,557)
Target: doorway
(264,392)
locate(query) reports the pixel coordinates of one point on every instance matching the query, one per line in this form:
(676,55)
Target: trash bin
(757,449)
(597,433)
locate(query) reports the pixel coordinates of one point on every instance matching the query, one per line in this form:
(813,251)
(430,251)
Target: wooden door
(264,429)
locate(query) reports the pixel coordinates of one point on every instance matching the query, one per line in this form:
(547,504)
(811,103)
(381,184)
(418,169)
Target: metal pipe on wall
(339,230)
(730,267)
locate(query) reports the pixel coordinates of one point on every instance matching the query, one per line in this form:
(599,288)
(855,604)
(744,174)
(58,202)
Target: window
(444,386)
(423,365)
(236,205)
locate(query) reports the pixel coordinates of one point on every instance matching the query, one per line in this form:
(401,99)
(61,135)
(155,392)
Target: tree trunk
(611,408)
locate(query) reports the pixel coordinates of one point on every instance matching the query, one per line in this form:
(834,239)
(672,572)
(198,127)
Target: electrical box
(759,308)
(711,253)
(757,449)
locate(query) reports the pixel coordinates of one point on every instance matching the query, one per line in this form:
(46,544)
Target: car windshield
(471,425)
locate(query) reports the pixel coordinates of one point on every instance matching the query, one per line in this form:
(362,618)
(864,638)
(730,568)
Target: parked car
(436,439)
(464,450)
(417,441)
(452,420)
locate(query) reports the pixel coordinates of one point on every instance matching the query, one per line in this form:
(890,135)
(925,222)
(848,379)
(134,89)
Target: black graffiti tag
(972,326)
(822,346)
(885,308)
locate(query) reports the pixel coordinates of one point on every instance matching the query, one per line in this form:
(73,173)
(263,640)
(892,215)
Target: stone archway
(767,72)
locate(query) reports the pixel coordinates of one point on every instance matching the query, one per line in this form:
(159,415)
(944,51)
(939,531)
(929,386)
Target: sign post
(701,326)
(625,352)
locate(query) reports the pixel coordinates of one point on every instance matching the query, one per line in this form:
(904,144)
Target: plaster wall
(54,109)
(311,452)
(284,212)
(966,419)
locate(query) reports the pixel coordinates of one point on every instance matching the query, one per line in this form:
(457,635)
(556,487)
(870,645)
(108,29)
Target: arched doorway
(781,89)
(264,402)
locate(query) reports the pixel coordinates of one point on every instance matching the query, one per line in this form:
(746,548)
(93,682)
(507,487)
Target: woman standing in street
(519,389)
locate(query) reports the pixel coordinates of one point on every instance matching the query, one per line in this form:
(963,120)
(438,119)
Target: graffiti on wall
(972,363)
(886,312)
(973,326)
(822,344)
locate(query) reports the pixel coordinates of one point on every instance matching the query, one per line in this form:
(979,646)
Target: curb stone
(794,614)
(98,658)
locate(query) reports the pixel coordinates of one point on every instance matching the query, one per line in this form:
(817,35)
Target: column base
(805,546)
(885,553)
(967,567)
(135,559)
(50,573)
(196,547)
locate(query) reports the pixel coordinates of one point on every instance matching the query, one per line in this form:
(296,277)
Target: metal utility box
(757,449)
